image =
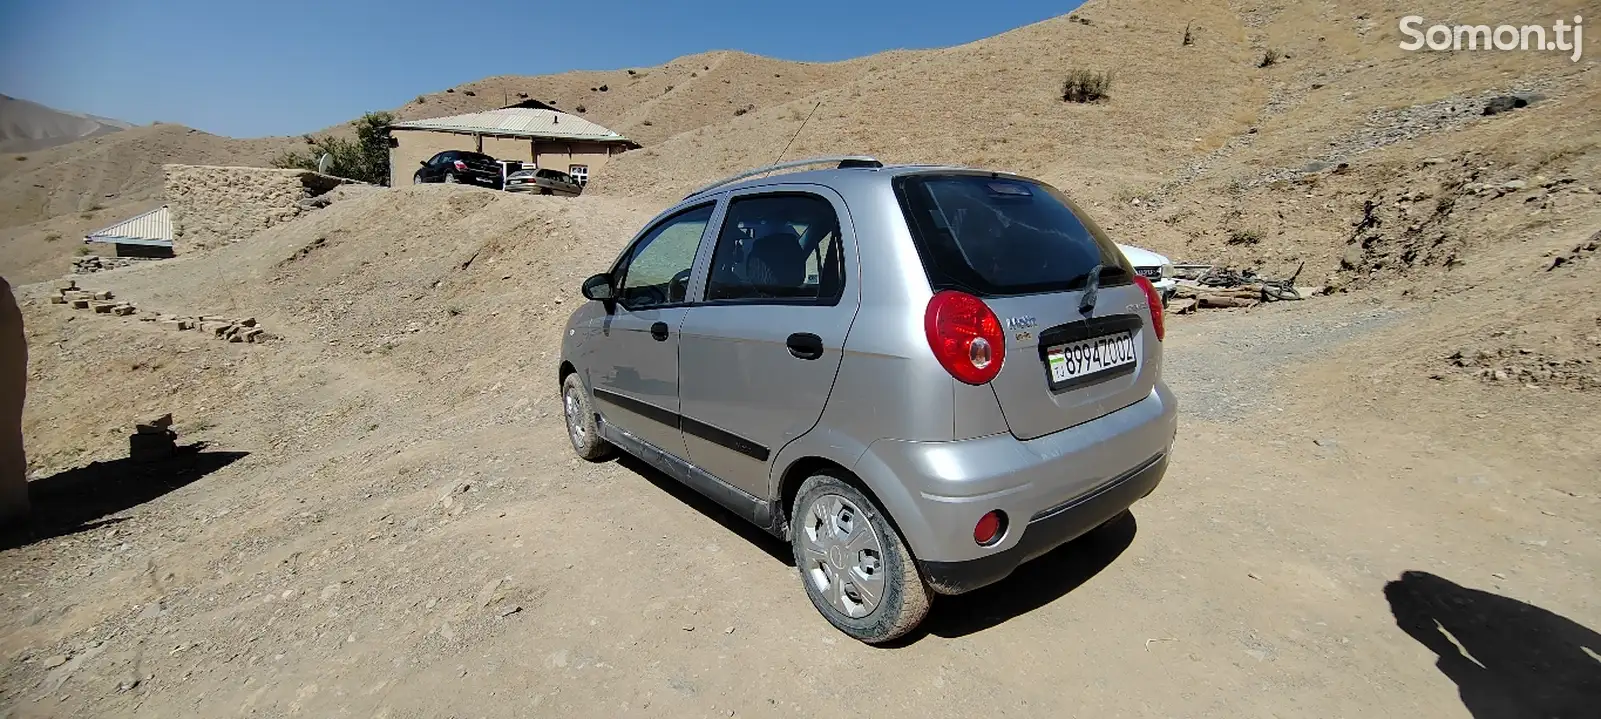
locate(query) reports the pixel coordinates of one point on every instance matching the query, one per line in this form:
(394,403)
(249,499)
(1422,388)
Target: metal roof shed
(519,122)
(145,235)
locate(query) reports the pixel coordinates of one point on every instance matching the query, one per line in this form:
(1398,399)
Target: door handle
(658,331)
(805,345)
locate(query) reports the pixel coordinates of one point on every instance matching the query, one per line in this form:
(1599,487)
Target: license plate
(1076,360)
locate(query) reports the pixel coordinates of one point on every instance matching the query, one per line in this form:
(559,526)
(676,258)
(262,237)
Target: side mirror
(424,163)
(600,288)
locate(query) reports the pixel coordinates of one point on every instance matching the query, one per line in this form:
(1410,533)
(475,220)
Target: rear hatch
(482,164)
(1034,257)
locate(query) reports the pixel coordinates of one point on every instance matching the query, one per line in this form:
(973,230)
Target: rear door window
(994,236)
(778,248)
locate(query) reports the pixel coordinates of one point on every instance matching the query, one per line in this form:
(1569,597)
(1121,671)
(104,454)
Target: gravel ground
(1218,380)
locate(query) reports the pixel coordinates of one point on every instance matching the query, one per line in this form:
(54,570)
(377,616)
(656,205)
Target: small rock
(1514,185)
(1504,103)
(1324,442)
(55,661)
(1253,576)
(508,611)
(1433,161)
(729,630)
(1498,575)
(689,627)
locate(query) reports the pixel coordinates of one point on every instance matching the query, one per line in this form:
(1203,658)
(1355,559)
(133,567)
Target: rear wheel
(450,178)
(582,430)
(853,564)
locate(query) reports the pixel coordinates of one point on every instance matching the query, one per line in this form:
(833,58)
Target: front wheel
(417,179)
(582,430)
(853,564)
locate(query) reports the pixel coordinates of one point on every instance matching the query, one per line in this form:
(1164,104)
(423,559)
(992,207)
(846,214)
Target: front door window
(657,271)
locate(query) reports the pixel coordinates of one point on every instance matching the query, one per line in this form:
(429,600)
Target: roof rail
(841,161)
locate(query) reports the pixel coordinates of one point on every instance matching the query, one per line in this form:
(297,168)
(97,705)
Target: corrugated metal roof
(151,228)
(518,122)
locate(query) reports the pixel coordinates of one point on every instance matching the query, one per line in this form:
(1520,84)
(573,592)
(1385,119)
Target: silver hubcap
(842,556)
(575,417)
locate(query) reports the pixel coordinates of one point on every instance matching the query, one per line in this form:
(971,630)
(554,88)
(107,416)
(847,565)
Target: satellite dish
(323,163)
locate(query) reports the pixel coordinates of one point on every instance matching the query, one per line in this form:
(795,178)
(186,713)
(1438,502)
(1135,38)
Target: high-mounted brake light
(1154,299)
(965,336)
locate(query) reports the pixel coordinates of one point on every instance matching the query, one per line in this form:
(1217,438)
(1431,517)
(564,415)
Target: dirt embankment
(213,206)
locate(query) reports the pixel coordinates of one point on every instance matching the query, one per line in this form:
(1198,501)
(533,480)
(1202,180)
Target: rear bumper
(1048,530)
(1051,488)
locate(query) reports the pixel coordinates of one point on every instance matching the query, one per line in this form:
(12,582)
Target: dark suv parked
(460,166)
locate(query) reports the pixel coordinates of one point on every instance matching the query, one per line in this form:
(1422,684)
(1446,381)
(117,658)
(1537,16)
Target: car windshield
(991,235)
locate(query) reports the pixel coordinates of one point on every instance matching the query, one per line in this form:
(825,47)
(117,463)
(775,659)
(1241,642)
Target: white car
(1154,267)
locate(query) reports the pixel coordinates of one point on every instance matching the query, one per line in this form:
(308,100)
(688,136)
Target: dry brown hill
(400,538)
(28,126)
(50,198)
(651,104)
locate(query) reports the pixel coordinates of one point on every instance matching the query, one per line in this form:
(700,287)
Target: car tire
(417,179)
(827,515)
(450,179)
(582,429)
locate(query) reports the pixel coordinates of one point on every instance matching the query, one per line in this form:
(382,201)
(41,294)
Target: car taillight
(461,166)
(1154,299)
(965,336)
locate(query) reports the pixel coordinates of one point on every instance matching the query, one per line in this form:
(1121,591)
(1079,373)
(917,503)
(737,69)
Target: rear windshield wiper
(1092,287)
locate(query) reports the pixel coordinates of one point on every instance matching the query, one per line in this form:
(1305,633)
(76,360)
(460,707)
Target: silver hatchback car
(919,376)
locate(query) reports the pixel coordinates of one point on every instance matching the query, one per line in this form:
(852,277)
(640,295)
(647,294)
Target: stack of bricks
(103,302)
(153,441)
(223,328)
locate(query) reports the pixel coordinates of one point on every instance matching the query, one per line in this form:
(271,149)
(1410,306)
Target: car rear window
(991,235)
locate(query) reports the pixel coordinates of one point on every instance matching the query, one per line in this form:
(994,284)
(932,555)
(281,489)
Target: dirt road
(468,566)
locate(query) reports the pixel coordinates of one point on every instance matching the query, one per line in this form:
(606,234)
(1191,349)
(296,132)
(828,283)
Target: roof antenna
(797,134)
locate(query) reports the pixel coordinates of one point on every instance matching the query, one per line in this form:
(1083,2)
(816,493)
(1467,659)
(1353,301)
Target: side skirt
(755,510)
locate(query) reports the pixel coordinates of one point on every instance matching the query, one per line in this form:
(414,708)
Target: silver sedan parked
(921,377)
(543,182)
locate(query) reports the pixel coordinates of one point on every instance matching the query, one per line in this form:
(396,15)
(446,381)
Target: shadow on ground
(84,498)
(1033,585)
(1509,659)
(775,547)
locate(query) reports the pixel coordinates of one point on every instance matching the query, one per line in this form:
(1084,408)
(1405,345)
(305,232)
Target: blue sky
(281,67)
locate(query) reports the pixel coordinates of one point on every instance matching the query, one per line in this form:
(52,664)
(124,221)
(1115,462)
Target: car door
(760,352)
(431,171)
(634,373)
